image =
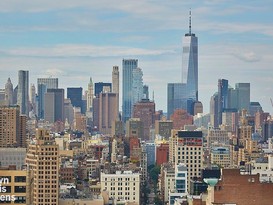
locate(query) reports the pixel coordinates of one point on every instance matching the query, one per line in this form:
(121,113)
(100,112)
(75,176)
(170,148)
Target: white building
(180,183)
(264,168)
(122,186)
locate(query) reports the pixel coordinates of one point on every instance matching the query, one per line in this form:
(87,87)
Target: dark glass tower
(75,95)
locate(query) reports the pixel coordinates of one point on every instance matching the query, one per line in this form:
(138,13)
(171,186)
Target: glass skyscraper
(22,94)
(176,97)
(43,84)
(132,86)
(190,63)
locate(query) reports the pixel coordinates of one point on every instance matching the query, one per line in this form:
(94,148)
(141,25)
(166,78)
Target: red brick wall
(242,189)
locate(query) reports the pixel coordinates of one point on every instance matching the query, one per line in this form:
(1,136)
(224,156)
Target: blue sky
(73,40)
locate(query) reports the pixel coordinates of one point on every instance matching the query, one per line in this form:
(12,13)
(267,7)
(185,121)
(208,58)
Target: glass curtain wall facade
(22,94)
(128,65)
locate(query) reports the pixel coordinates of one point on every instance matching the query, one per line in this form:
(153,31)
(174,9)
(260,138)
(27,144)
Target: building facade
(23,90)
(43,159)
(128,65)
(145,111)
(122,186)
(190,63)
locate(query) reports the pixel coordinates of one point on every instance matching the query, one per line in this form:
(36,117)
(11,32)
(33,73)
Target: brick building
(235,188)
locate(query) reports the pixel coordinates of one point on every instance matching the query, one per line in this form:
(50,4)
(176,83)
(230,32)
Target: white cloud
(78,50)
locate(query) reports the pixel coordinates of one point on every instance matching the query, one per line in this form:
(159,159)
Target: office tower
(163,128)
(90,96)
(137,91)
(230,120)
(115,79)
(254,108)
(187,147)
(54,105)
(68,111)
(12,127)
(43,84)
(41,100)
(243,95)
(9,92)
(108,111)
(32,99)
(23,89)
(15,92)
(51,83)
(75,95)
(214,111)
(102,88)
(132,86)
(32,94)
(177,98)
(115,82)
(43,159)
(190,63)
(222,98)
(145,111)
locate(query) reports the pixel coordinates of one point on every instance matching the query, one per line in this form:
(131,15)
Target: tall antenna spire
(190,22)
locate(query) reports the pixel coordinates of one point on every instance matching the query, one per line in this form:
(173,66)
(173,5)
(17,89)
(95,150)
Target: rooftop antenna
(190,22)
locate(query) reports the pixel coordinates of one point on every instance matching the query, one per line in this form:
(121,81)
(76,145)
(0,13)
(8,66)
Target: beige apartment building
(12,127)
(220,156)
(122,186)
(15,186)
(42,158)
(187,147)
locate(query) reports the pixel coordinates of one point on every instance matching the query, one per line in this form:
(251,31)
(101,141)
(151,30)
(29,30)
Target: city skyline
(75,41)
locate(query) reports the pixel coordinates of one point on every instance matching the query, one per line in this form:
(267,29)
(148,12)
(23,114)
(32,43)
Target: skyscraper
(12,127)
(90,96)
(132,86)
(176,97)
(23,89)
(222,98)
(108,111)
(115,79)
(9,91)
(243,95)
(42,85)
(43,159)
(145,111)
(75,95)
(115,83)
(101,87)
(190,63)
(54,105)
(41,100)
(49,82)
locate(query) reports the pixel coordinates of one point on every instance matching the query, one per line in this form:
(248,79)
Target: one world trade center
(190,64)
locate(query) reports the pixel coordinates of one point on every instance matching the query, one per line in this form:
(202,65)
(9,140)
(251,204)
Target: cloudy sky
(73,40)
